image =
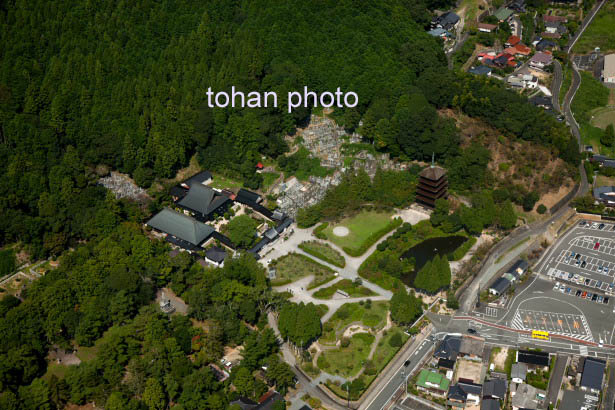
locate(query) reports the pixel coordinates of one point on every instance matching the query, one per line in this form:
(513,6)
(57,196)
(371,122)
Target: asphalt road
(556,378)
(397,376)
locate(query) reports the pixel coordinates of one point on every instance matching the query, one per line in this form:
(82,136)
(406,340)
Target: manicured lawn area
(346,285)
(294,266)
(360,226)
(221,182)
(347,361)
(373,316)
(323,251)
(600,32)
(604,116)
(590,96)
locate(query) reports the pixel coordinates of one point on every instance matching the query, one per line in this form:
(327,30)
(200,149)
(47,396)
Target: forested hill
(124,82)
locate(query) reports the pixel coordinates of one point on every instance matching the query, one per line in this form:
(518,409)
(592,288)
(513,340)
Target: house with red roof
(512,41)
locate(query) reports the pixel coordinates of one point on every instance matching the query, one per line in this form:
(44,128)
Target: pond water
(427,250)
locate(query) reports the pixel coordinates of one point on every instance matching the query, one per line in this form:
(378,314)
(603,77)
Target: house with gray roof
(494,389)
(526,397)
(204,202)
(500,286)
(605,194)
(593,375)
(518,372)
(490,404)
(180,230)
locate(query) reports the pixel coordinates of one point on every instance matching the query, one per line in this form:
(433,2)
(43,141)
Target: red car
(584,295)
(597,245)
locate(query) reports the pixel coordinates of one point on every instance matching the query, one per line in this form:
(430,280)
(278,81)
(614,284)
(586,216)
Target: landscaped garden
(323,251)
(357,233)
(347,359)
(352,288)
(372,315)
(294,266)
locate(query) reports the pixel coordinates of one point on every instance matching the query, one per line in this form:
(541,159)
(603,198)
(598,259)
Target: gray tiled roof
(180,226)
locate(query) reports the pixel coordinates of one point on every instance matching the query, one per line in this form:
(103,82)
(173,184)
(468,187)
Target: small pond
(427,250)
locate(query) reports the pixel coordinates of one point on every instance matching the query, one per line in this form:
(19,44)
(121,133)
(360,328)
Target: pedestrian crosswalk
(491,312)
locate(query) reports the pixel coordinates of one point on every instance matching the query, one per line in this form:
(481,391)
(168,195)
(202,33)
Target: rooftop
(527,397)
(593,373)
(433,173)
(432,380)
(609,65)
(181,226)
(202,199)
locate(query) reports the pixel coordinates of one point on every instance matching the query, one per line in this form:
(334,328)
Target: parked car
(606,269)
(587,282)
(595,297)
(472,331)
(570,276)
(584,295)
(601,226)
(577,293)
(578,256)
(568,290)
(584,264)
(582,223)
(606,300)
(600,299)
(589,295)
(597,245)
(599,284)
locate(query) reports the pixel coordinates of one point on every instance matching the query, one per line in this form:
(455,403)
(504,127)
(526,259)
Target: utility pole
(348,392)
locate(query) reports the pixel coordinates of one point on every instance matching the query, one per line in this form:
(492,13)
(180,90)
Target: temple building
(432,185)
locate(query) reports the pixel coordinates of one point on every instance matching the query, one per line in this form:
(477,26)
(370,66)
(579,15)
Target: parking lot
(570,324)
(583,262)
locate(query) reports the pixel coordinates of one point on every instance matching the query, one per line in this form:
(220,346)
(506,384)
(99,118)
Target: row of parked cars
(594,225)
(583,294)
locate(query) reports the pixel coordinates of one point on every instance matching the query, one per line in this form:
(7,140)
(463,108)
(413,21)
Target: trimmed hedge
(373,238)
(318,231)
(305,246)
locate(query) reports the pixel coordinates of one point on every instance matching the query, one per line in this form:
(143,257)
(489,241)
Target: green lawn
(385,352)
(566,83)
(345,285)
(374,317)
(221,182)
(600,32)
(55,369)
(602,117)
(361,227)
(324,252)
(347,361)
(294,266)
(592,94)
(86,353)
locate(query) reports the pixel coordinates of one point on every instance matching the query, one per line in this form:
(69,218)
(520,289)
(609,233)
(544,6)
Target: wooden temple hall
(432,185)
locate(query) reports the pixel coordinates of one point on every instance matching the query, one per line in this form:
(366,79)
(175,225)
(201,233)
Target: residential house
(433,383)
(605,194)
(576,399)
(499,287)
(555,27)
(447,21)
(593,374)
(515,82)
(519,268)
(518,49)
(512,41)
(526,397)
(503,14)
(545,44)
(472,347)
(204,202)
(215,256)
(494,389)
(486,28)
(448,348)
(490,404)
(267,401)
(462,394)
(553,36)
(608,73)
(533,359)
(481,70)
(554,19)
(504,60)
(441,33)
(518,6)
(541,60)
(542,101)
(518,372)
(446,364)
(180,230)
